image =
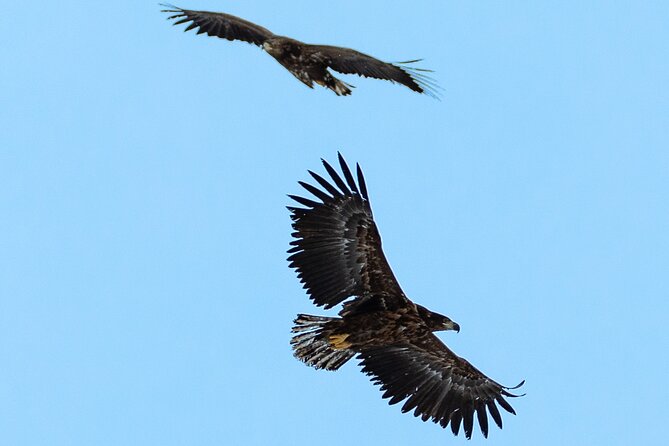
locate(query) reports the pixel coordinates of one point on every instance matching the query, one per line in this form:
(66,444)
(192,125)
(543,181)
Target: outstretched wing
(221,25)
(337,248)
(348,61)
(436,383)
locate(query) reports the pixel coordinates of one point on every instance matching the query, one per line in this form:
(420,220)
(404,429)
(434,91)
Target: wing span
(337,248)
(221,25)
(348,61)
(436,383)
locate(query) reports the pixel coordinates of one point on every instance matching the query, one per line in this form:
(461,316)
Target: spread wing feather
(436,384)
(337,248)
(218,24)
(348,61)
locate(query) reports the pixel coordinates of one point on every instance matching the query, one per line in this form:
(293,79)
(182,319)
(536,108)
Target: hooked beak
(450,325)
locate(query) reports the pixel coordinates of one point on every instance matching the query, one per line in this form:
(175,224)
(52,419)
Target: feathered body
(337,254)
(309,63)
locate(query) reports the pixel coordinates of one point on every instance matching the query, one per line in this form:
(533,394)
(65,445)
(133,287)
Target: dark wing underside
(348,61)
(337,248)
(221,25)
(436,383)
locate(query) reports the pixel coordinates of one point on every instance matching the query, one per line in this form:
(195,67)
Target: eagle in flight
(308,63)
(337,255)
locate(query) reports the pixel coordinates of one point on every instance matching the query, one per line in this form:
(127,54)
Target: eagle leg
(338,341)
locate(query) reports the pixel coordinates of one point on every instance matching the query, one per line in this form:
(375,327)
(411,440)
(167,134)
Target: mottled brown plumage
(337,254)
(308,63)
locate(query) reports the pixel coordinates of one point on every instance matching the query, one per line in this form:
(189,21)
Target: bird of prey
(336,252)
(308,63)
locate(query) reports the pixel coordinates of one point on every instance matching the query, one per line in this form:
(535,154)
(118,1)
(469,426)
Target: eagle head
(436,321)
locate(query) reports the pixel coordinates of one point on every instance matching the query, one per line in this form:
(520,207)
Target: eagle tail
(312,344)
(341,88)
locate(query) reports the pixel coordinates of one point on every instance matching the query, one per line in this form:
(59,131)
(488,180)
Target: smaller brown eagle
(308,63)
(338,257)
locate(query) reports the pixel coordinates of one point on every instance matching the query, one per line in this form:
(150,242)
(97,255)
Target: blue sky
(144,293)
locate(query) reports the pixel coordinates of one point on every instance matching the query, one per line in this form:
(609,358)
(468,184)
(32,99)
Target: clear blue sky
(144,294)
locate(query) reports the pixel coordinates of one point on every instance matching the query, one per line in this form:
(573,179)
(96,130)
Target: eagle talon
(339,341)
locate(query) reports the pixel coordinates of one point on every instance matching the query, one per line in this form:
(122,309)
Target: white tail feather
(311,345)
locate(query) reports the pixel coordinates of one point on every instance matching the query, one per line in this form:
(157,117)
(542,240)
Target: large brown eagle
(337,255)
(308,63)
